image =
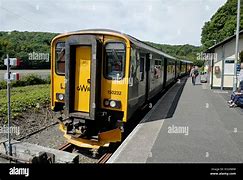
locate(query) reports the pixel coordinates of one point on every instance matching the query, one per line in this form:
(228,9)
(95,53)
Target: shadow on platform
(166,108)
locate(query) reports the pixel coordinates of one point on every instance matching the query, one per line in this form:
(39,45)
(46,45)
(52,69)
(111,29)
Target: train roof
(149,47)
(186,61)
(133,40)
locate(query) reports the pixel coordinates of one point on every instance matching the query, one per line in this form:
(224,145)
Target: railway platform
(189,124)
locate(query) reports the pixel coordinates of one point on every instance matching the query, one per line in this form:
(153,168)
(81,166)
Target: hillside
(187,51)
(221,25)
(20,44)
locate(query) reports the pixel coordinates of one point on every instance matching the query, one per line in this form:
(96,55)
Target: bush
(33,79)
(24,98)
(48,79)
(3,85)
(198,63)
(28,80)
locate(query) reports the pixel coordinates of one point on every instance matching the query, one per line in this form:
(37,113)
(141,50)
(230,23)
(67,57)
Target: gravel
(52,137)
(29,122)
(35,119)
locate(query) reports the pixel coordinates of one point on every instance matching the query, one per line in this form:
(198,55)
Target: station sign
(12,61)
(13,76)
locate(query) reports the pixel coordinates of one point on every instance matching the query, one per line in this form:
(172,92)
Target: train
(100,78)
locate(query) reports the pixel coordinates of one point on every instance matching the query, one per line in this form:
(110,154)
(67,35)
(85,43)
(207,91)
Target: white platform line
(207,105)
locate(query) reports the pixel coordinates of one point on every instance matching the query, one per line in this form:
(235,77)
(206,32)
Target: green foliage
(221,25)
(23,98)
(20,44)
(48,79)
(185,52)
(3,84)
(199,63)
(32,79)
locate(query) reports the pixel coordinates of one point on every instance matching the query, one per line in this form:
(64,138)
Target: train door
(175,65)
(147,71)
(165,72)
(142,78)
(181,70)
(82,76)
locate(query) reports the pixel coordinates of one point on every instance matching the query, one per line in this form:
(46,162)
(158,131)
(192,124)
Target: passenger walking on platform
(194,73)
(237,95)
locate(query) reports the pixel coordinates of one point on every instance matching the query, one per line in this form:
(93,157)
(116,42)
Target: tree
(186,52)
(221,25)
(20,44)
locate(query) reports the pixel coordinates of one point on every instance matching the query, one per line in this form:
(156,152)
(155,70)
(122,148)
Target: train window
(134,56)
(157,69)
(115,60)
(158,63)
(60,58)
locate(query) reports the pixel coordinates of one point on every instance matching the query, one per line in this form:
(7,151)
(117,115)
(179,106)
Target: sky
(160,21)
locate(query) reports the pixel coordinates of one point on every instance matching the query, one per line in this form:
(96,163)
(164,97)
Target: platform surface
(189,124)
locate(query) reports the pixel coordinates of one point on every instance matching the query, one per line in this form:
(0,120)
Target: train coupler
(103,140)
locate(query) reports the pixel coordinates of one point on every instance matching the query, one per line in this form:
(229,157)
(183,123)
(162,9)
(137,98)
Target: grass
(23,98)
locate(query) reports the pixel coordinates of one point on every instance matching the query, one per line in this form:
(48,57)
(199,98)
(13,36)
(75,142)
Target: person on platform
(194,73)
(236,95)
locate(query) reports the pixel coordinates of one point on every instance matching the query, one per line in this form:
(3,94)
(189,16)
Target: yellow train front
(99,78)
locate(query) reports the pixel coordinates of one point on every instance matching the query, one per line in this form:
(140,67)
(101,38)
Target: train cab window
(60,58)
(114,60)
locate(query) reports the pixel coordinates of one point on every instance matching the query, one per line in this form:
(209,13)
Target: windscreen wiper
(115,55)
(62,51)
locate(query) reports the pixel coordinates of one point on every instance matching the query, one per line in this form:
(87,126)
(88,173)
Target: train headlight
(112,103)
(60,96)
(106,102)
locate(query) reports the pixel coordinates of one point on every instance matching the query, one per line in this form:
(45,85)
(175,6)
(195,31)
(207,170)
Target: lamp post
(9,107)
(236,46)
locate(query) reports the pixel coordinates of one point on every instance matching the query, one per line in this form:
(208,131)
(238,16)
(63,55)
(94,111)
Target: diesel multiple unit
(100,78)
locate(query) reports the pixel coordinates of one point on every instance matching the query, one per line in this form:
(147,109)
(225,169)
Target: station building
(219,60)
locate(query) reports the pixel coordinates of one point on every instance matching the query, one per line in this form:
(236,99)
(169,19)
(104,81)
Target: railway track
(105,158)
(68,147)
